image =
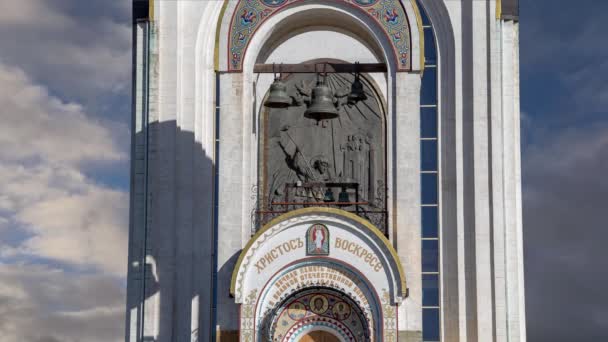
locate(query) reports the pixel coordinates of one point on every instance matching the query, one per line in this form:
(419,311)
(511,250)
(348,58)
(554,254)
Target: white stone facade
(193,171)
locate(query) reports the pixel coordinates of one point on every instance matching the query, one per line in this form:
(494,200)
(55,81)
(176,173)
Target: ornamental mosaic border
(247,316)
(251,252)
(332,324)
(324,263)
(302,324)
(249,15)
(390,317)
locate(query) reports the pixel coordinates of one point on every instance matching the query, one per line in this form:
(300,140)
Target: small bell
(356,91)
(329,196)
(321,104)
(343,196)
(277,97)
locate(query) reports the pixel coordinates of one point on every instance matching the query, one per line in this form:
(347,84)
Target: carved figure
(323,170)
(294,158)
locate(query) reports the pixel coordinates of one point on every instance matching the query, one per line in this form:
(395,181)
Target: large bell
(321,104)
(356,91)
(278,98)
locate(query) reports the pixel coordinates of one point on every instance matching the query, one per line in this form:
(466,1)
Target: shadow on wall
(179,236)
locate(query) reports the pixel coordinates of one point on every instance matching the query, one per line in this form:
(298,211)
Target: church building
(325,170)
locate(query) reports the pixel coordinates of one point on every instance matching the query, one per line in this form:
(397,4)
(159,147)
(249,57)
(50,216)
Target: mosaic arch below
(350,256)
(249,15)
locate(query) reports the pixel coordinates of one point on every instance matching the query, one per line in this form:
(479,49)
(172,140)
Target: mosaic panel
(250,14)
(317,308)
(317,240)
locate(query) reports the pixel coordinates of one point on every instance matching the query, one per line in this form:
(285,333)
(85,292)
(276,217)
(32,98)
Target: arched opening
(430,141)
(267,159)
(319,336)
(387,23)
(316,314)
(277,264)
(325,21)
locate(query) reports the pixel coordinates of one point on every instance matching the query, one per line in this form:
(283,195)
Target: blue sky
(564,96)
(65,80)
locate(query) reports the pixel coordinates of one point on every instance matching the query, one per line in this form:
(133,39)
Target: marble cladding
(482,300)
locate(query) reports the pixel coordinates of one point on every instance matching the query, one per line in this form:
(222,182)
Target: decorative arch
(360,263)
(348,221)
(389,16)
(439,21)
(317,309)
(374,307)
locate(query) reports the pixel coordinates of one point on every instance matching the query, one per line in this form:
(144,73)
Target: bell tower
(340,170)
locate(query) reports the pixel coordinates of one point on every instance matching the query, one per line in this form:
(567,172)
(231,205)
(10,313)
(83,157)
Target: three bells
(322,105)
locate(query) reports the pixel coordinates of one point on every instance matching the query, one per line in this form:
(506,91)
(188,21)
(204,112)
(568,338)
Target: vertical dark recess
(429,186)
(468,144)
(215,205)
(489,18)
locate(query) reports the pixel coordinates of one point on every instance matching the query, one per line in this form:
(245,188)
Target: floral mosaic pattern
(250,14)
(247,317)
(390,317)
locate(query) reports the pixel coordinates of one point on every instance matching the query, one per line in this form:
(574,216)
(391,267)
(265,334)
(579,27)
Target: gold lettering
(359,251)
(277,251)
(378,267)
(268,257)
(258,267)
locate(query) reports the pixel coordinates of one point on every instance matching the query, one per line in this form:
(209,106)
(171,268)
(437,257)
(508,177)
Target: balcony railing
(344,196)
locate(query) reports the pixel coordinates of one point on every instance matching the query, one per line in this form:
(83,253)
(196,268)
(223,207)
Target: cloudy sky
(65,81)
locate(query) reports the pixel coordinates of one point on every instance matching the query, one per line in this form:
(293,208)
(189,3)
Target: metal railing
(319,194)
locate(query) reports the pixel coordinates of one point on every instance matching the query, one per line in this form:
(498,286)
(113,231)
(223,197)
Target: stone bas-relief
(309,161)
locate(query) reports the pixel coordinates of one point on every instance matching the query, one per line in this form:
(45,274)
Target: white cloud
(63,234)
(67,217)
(39,303)
(36,124)
(62,216)
(20,13)
(77,48)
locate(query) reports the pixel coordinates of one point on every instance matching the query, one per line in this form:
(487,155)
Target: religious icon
(317,240)
(296,311)
(318,304)
(341,311)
